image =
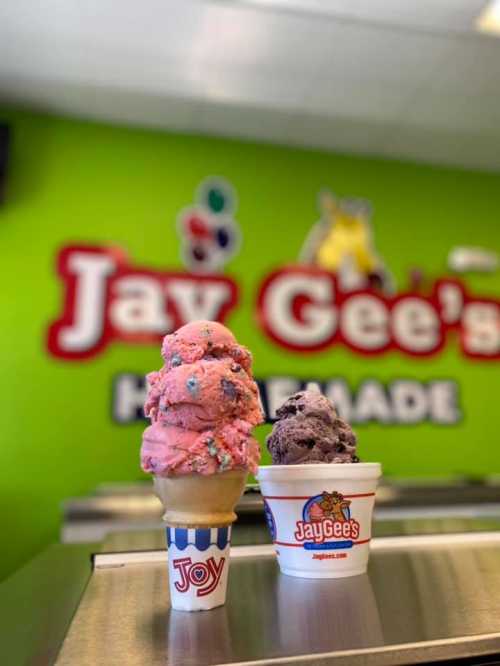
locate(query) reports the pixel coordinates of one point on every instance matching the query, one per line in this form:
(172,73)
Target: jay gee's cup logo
(327,523)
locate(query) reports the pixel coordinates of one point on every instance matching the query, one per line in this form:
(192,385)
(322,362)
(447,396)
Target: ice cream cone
(195,500)
(203,404)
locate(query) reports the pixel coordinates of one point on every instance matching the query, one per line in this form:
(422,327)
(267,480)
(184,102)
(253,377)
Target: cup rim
(351,471)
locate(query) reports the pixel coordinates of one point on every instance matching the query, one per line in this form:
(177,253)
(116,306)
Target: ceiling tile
(243,36)
(380,75)
(475,150)
(243,121)
(454,112)
(364,53)
(368,99)
(112,104)
(471,65)
(341,133)
(431,14)
(255,87)
(441,15)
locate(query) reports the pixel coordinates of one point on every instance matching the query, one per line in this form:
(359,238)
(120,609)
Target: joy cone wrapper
(199,512)
(320,516)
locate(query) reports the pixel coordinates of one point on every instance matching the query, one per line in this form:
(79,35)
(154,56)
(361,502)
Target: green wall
(82,182)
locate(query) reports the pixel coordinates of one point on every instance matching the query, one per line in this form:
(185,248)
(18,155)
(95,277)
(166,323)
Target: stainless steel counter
(38,602)
(425,598)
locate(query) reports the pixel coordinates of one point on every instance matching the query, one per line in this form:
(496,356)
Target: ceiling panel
(383,54)
(245,122)
(475,150)
(113,104)
(358,99)
(245,36)
(441,15)
(455,112)
(470,66)
(396,77)
(265,88)
(341,133)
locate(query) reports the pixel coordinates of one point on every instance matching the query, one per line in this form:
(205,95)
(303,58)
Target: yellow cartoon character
(341,243)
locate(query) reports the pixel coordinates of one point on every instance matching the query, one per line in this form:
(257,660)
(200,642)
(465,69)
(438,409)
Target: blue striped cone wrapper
(198,564)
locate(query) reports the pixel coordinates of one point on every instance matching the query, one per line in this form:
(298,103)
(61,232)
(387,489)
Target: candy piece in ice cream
(170,450)
(308,431)
(198,395)
(203,339)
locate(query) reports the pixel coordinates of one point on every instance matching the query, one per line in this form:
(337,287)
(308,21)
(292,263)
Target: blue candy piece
(176,360)
(212,449)
(225,462)
(192,385)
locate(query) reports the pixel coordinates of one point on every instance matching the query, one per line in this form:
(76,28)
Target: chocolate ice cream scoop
(309,431)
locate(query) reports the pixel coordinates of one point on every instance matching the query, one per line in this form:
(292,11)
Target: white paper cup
(198,564)
(320,516)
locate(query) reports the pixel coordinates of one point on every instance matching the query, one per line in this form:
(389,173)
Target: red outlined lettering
(203,575)
(303,309)
(106,299)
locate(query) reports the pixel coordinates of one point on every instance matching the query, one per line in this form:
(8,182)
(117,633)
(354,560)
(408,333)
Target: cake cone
(194,500)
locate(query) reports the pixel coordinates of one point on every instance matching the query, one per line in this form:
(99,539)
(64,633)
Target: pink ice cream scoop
(202,404)
(203,339)
(202,394)
(168,450)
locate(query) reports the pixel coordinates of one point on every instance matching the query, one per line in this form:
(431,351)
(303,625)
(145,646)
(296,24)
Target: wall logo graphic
(326,517)
(210,236)
(341,243)
(107,298)
(341,294)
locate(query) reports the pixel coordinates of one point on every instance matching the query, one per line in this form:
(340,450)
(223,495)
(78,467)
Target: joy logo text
(203,575)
